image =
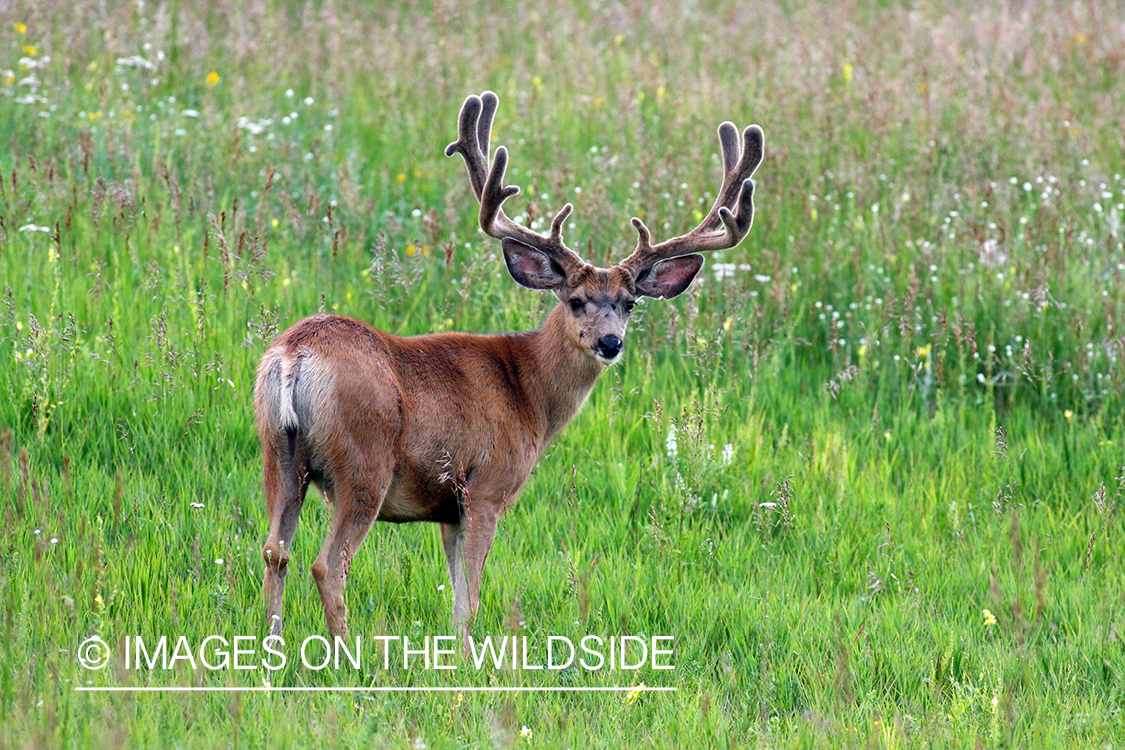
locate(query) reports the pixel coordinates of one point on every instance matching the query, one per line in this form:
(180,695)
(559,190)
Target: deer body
(444,405)
(448,427)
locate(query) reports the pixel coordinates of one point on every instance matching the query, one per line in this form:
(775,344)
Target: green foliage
(865,471)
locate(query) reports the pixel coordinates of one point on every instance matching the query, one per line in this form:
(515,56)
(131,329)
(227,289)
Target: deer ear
(531,268)
(669,278)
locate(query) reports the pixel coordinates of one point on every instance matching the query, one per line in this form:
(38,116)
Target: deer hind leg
(285,486)
(357,499)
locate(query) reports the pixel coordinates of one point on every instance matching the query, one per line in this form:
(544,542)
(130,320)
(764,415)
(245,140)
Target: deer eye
(577,306)
(628,306)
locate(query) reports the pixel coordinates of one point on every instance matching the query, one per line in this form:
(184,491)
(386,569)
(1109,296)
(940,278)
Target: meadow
(865,471)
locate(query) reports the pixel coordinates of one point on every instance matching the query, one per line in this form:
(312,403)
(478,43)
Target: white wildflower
(136,61)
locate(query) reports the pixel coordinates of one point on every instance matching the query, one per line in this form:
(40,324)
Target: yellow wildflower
(212,78)
(922,351)
(410,249)
(400,177)
(21,28)
(30,51)
(848,72)
(635,693)
(599,102)
(619,39)
(989,618)
(1068,414)
(274,223)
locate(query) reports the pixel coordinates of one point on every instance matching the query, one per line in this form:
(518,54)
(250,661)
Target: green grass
(918,379)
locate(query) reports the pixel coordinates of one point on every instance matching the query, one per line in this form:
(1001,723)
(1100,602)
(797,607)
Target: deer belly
(415,497)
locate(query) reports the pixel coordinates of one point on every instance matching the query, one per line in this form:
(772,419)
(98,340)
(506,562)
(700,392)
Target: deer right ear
(531,268)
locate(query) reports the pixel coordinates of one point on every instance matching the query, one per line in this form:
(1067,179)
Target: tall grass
(816,473)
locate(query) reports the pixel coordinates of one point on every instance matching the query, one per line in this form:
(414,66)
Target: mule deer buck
(448,427)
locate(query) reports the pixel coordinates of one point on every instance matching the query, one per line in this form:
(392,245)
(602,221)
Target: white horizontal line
(282,689)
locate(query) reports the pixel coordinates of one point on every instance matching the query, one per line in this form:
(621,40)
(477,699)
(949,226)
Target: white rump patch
(295,389)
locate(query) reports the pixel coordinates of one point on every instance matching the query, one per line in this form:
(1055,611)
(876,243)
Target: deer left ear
(669,278)
(530,267)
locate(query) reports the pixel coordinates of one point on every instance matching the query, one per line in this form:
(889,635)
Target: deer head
(600,300)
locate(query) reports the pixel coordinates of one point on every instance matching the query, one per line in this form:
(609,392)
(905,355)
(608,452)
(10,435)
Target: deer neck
(563,373)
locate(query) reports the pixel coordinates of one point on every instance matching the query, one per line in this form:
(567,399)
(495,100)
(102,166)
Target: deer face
(599,300)
(598,303)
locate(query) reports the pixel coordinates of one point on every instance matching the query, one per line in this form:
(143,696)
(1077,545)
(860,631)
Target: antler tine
(722,228)
(474,133)
(489,101)
(494,195)
(469,130)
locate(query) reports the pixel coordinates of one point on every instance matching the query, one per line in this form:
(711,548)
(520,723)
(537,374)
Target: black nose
(609,346)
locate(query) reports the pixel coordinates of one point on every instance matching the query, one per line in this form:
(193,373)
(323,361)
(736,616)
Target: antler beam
(729,219)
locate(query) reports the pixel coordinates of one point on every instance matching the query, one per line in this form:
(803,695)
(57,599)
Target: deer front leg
(466,547)
(452,540)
